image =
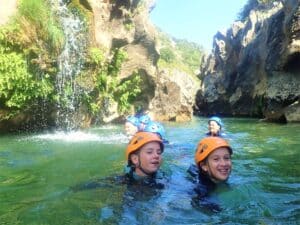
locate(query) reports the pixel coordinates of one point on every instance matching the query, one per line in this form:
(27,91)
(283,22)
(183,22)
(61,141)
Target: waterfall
(70,63)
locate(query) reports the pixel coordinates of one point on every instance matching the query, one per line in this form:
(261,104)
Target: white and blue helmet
(134,120)
(145,119)
(156,127)
(217,120)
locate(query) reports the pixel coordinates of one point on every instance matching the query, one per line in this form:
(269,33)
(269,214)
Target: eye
(149,151)
(227,157)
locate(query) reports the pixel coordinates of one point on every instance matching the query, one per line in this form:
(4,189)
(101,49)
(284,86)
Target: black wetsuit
(130,178)
(156,180)
(204,187)
(219,134)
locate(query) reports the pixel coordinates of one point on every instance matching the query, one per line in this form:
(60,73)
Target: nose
(156,154)
(223,162)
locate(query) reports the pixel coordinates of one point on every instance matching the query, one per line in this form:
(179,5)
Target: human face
(130,129)
(148,159)
(218,165)
(213,127)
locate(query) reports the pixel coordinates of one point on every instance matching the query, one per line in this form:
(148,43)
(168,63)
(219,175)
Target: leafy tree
(167,55)
(18,86)
(109,86)
(179,53)
(190,53)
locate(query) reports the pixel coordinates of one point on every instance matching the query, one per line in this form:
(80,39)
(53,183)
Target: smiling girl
(213,166)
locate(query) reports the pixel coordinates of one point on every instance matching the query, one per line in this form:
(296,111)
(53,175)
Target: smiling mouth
(224,172)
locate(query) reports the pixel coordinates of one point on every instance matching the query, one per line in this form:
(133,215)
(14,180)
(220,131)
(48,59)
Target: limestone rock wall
(174,96)
(254,69)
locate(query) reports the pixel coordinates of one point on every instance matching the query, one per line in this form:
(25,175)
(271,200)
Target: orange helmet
(140,139)
(208,145)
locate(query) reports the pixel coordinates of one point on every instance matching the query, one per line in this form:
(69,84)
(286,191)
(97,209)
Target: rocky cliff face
(254,68)
(125,24)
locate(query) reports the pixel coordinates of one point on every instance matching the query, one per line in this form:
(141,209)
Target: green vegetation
(39,25)
(27,45)
(109,86)
(167,55)
(179,54)
(17,85)
(191,53)
(81,11)
(129,25)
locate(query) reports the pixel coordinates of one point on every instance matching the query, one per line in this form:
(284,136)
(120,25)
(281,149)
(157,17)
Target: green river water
(38,171)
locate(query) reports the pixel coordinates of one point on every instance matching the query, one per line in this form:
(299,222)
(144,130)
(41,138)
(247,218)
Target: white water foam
(80,136)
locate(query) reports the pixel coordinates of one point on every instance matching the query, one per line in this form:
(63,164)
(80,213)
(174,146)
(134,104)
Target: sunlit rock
(7,9)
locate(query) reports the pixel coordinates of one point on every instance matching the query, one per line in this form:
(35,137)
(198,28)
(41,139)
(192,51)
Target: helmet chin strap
(141,168)
(212,177)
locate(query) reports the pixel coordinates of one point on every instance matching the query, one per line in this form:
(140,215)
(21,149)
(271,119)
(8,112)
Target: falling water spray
(70,63)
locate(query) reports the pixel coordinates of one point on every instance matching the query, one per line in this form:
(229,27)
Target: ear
(134,159)
(203,166)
